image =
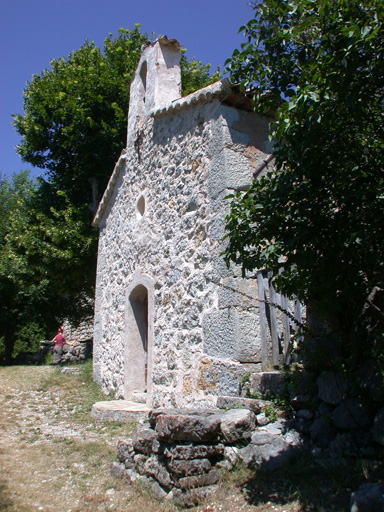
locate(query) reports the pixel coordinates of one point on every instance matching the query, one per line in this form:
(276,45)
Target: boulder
(188,427)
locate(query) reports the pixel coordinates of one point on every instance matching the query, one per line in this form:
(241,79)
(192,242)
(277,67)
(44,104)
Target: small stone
(117,470)
(143,438)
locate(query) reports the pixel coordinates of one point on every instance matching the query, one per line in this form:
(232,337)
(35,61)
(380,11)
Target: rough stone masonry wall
(180,453)
(205,336)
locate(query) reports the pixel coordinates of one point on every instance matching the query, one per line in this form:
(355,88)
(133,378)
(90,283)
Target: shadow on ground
(318,485)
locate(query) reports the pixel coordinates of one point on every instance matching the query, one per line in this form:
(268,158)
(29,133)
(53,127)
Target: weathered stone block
(191,451)
(155,467)
(143,438)
(125,452)
(192,482)
(182,427)
(139,461)
(267,384)
(219,331)
(232,402)
(188,467)
(237,425)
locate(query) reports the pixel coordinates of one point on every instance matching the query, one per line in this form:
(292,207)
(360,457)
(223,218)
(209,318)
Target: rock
(231,454)
(143,438)
(188,427)
(117,470)
(271,455)
(191,482)
(154,467)
(237,425)
(371,379)
(158,493)
(139,461)
(252,404)
(350,414)
(378,427)
(305,414)
(190,451)
(267,384)
(187,499)
(269,446)
(125,452)
(332,387)
(262,420)
(188,467)
(369,498)
(70,371)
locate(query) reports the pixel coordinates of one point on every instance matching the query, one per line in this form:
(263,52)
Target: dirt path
(53,457)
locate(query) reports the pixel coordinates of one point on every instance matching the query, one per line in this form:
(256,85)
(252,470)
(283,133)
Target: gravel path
(54,458)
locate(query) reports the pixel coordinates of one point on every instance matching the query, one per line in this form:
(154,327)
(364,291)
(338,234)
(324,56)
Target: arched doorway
(139,333)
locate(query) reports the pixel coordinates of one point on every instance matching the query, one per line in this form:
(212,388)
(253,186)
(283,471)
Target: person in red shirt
(59,341)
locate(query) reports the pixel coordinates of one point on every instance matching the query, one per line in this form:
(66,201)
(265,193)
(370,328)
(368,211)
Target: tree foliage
(75,113)
(195,75)
(74,125)
(319,65)
(46,265)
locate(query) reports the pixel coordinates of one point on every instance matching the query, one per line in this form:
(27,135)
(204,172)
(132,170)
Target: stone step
(122,411)
(255,405)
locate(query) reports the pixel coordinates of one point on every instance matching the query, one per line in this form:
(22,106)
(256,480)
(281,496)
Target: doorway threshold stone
(122,411)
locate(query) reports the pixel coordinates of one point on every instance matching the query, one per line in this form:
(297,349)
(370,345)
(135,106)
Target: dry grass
(54,457)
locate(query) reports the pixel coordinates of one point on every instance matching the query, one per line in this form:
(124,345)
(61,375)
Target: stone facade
(171,328)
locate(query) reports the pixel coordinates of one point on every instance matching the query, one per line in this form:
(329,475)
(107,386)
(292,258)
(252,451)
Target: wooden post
(275,338)
(286,331)
(263,317)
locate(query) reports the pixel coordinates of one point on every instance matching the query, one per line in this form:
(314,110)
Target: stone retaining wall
(180,453)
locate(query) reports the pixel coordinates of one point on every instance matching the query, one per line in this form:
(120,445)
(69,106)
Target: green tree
(46,265)
(75,120)
(74,125)
(195,75)
(319,66)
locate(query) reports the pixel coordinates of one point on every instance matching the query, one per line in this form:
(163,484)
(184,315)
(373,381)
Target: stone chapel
(173,325)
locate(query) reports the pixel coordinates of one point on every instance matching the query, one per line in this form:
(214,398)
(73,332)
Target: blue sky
(32,32)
